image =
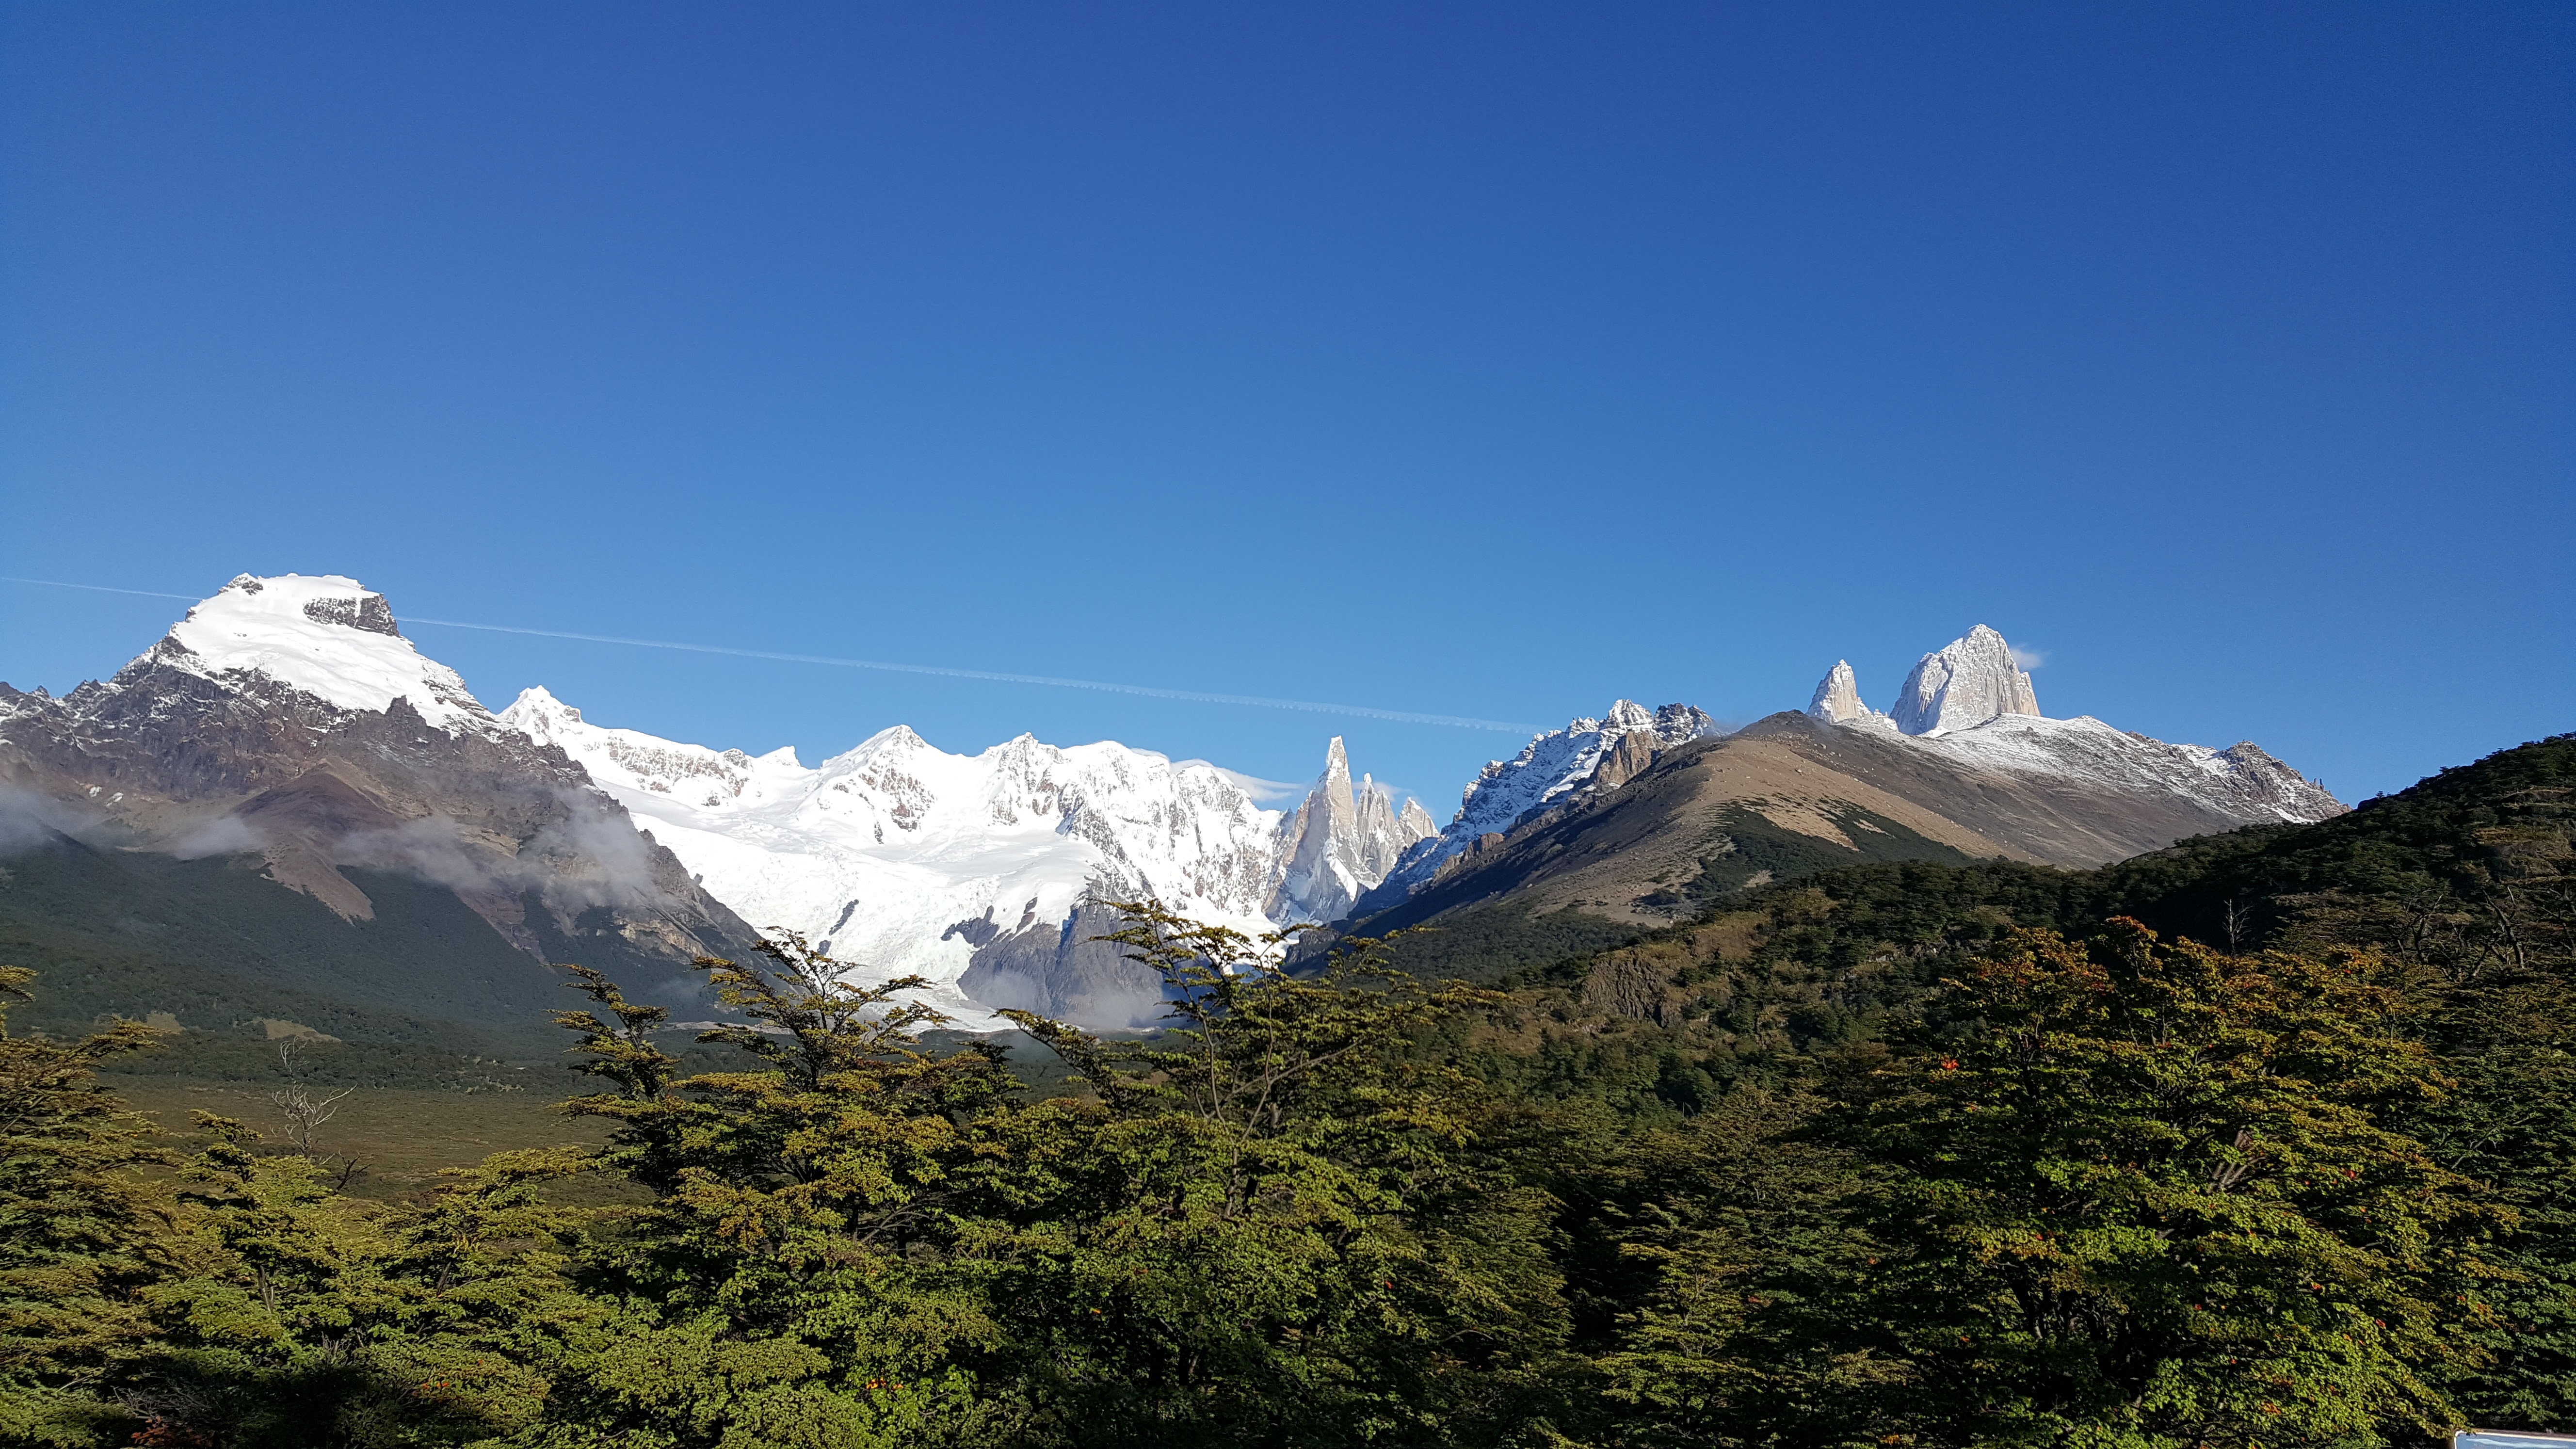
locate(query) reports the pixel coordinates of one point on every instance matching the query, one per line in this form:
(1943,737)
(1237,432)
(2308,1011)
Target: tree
(2147,1196)
(1271,1224)
(810,1269)
(81,1231)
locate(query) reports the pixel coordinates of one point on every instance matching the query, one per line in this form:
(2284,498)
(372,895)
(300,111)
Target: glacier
(910,861)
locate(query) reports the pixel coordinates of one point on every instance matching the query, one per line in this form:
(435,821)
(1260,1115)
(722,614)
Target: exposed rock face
(1338,842)
(1964,683)
(1556,770)
(2074,793)
(289,718)
(1837,697)
(1064,971)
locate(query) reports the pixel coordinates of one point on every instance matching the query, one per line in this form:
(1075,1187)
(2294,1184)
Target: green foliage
(1277,1227)
(2150,1199)
(809,1270)
(1485,944)
(1894,1153)
(80,1232)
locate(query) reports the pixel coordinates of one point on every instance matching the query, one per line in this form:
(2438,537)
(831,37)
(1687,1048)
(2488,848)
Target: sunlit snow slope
(906,859)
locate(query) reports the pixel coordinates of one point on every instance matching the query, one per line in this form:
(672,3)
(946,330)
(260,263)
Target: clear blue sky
(1484,360)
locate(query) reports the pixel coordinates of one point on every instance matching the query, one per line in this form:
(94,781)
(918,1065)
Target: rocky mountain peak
(1837,696)
(1964,683)
(1557,769)
(537,714)
(323,635)
(1340,841)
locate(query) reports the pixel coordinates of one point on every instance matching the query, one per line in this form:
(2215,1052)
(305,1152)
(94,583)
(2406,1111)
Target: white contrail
(1197,696)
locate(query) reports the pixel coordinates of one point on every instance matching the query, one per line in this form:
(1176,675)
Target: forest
(2265,1139)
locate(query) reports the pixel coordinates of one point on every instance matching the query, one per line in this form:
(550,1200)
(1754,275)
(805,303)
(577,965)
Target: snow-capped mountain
(1967,764)
(327,637)
(287,721)
(974,870)
(1970,701)
(1556,770)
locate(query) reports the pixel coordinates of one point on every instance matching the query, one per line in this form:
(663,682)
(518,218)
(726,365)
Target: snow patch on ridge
(1557,768)
(328,636)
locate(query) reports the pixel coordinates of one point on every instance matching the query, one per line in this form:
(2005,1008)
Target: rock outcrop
(1556,770)
(1339,841)
(1837,696)
(1962,684)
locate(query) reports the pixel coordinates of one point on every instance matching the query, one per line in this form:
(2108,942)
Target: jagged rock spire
(1964,683)
(1837,696)
(1341,840)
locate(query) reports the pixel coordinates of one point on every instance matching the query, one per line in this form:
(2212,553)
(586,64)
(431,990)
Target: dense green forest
(2266,1139)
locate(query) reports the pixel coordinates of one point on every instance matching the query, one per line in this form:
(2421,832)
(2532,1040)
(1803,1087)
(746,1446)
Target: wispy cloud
(1197,696)
(2027,657)
(1263,792)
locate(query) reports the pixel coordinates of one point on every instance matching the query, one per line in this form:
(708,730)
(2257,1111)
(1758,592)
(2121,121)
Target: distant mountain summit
(1965,682)
(985,872)
(285,748)
(1972,702)
(1555,771)
(287,723)
(1635,816)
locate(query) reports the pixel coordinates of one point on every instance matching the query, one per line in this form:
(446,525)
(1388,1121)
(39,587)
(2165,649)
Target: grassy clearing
(401,1137)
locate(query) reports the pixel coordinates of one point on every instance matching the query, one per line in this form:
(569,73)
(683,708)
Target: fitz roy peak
(1972,702)
(1964,683)
(1629,817)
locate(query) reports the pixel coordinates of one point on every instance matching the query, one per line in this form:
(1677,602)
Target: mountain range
(286,740)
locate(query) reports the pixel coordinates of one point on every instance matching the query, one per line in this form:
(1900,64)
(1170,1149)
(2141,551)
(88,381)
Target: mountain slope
(1964,768)
(287,726)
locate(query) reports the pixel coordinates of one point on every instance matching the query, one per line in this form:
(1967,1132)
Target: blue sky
(1494,361)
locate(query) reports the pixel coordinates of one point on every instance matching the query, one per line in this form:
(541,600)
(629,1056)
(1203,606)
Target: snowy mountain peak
(537,703)
(1837,697)
(1337,763)
(1971,701)
(1555,769)
(1964,683)
(1340,841)
(327,636)
(912,860)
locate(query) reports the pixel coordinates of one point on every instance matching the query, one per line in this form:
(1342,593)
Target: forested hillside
(2267,1138)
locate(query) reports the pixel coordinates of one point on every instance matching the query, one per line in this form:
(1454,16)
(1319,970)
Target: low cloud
(586,857)
(2026,657)
(28,820)
(228,836)
(1263,792)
